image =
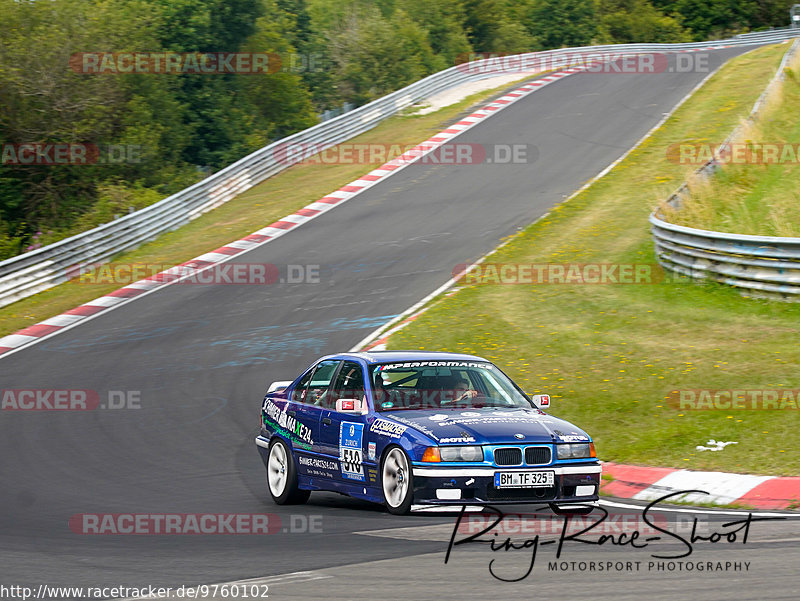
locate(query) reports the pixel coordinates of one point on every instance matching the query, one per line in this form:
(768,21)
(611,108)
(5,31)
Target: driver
(381,394)
(462,390)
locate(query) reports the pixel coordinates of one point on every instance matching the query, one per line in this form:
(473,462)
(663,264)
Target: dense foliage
(173,129)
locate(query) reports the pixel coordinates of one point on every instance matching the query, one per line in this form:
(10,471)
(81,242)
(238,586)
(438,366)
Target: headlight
(470,453)
(581,450)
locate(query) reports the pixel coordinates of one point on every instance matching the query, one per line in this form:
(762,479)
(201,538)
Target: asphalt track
(199,359)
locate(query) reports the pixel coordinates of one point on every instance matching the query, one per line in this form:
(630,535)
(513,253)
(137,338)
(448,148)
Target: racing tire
(282,475)
(397,481)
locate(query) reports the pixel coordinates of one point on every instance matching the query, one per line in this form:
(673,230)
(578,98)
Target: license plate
(523,479)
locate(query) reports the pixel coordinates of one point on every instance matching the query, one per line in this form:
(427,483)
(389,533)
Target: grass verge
(757,192)
(272,199)
(610,355)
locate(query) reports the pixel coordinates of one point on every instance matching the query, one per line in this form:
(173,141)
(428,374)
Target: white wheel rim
(395,478)
(277,473)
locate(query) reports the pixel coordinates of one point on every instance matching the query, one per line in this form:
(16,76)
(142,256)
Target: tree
(49,99)
(280,99)
(634,21)
(560,23)
(444,22)
(373,55)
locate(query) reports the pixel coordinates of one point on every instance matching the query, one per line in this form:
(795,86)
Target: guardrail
(763,266)
(32,272)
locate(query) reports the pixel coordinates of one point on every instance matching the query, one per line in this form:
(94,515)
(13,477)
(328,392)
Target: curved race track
(199,357)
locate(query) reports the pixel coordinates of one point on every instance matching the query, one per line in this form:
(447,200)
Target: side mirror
(542,401)
(351,406)
(278,386)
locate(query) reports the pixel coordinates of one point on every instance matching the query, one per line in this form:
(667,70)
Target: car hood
(490,426)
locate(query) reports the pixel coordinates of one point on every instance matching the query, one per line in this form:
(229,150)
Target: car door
(343,436)
(303,417)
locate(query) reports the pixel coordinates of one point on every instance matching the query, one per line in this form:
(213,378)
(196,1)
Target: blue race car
(407,428)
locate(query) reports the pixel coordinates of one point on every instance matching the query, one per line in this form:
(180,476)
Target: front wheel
(397,481)
(282,475)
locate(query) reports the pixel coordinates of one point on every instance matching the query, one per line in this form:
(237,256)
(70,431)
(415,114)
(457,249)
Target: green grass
(267,202)
(758,199)
(610,354)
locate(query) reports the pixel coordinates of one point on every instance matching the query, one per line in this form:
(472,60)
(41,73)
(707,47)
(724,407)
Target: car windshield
(443,385)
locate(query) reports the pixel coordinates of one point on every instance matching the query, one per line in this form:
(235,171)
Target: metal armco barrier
(43,268)
(762,266)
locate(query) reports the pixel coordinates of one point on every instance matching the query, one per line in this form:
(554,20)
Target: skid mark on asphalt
(119,336)
(253,346)
(278,343)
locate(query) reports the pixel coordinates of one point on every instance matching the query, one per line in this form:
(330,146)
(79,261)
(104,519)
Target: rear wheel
(282,475)
(397,481)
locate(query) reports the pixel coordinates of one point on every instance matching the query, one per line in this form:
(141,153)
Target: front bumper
(576,483)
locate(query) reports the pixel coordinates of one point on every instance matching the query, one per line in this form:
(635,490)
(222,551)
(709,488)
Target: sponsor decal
(421,427)
(457,439)
(489,419)
(438,417)
(386,428)
(351,458)
(325,464)
(371,448)
(412,364)
(290,426)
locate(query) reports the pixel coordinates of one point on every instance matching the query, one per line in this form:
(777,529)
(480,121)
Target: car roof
(397,356)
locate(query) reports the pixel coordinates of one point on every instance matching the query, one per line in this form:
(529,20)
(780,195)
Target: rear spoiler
(279,386)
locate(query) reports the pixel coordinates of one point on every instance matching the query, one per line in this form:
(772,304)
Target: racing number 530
(351,455)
